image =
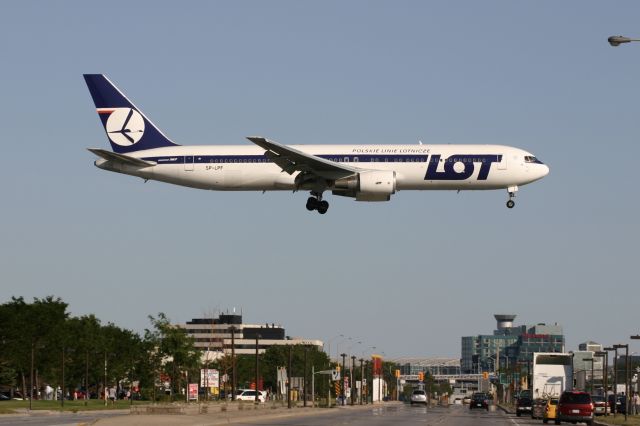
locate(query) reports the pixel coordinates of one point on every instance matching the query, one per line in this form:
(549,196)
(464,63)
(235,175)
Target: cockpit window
(531,159)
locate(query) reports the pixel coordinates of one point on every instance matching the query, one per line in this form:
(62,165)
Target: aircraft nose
(545,170)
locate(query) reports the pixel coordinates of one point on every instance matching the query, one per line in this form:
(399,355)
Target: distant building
(214,336)
(510,344)
(433,366)
(582,364)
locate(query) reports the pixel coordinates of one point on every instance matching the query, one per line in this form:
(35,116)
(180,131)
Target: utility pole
(289,379)
(233,362)
(86,379)
(304,380)
(62,387)
(615,381)
(626,376)
(105,378)
(33,348)
(257,370)
(351,382)
(607,349)
(344,368)
(363,380)
(313,383)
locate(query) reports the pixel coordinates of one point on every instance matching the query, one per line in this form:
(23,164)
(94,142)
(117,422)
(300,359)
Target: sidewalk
(214,415)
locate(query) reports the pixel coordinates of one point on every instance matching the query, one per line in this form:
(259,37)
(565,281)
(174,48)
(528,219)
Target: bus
(552,374)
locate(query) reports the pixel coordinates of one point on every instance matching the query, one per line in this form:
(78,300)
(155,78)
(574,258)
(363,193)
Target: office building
(509,345)
(217,336)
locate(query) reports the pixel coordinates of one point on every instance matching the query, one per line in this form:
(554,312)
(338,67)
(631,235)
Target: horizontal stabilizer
(121,158)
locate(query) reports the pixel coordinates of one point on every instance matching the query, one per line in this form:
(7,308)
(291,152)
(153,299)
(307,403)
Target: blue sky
(410,276)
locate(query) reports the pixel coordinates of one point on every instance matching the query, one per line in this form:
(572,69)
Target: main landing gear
(315,203)
(512,194)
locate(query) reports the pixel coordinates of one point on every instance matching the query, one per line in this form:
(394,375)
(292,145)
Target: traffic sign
(335,375)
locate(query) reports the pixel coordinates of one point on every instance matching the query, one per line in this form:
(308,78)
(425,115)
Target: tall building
(217,336)
(584,363)
(508,345)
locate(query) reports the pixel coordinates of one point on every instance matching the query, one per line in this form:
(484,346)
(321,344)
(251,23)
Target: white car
(250,395)
(418,397)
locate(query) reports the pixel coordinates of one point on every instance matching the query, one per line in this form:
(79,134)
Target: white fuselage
(416,167)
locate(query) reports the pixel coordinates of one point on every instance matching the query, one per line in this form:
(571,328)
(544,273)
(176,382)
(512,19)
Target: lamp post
(289,377)
(363,380)
(615,378)
(329,344)
(603,355)
(257,400)
(105,378)
(62,388)
(616,41)
(637,337)
(33,349)
(344,368)
(233,363)
(607,350)
(591,383)
(304,380)
(86,378)
(626,376)
(351,382)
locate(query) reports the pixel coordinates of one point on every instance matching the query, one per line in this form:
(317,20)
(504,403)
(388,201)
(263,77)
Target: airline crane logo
(125,126)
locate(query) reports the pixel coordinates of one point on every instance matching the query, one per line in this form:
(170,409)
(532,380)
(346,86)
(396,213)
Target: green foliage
(82,345)
(173,351)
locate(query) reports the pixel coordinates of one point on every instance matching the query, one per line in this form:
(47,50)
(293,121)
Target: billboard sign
(193,391)
(209,378)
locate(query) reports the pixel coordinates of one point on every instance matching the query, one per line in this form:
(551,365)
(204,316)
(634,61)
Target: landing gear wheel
(323,206)
(511,204)
(312,204)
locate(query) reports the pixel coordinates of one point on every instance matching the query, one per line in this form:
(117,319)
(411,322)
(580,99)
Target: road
(404,415)
(59,419)
(389,414)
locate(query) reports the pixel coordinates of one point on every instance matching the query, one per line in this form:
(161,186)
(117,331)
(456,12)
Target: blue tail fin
(127,127)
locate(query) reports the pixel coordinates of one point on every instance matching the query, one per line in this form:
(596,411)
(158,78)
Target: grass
(619,420)
(9,407)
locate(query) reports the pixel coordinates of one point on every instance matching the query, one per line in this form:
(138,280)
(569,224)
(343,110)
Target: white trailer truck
(552,374)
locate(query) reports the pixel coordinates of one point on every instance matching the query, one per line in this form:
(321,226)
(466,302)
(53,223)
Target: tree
(33,329)
(174,350)
(278,356)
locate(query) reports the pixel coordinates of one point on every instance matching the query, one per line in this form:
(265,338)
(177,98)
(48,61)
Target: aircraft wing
(292,160)
(121,158)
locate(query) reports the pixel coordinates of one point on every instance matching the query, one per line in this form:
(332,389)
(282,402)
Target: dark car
(524,404)
(479,400)
(537,410)
(620,405)
(574,407)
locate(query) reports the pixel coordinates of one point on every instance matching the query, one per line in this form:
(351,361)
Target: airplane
(363,172)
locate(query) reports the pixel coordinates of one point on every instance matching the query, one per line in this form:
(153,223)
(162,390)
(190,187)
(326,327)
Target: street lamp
(257,399)
(344,369)
(626,376)
(615,378)
(616,41)
(603,355)
(329,344)
(591,361)
(637,337)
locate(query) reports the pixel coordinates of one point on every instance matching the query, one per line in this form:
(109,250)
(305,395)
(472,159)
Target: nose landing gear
(512,194)
(315,202)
